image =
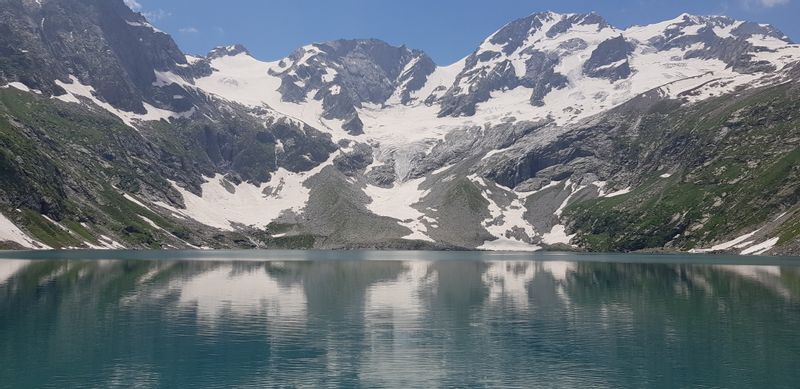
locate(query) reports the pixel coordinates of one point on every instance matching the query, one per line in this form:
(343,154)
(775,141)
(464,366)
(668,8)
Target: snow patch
(169,78)
(76,89)
(739,242)
(139,24)
(504,220)
(506,244)
(135,201)
(761,248)
(574,190)
(398,203)
(618,193)
(10,232)
(250,205)
(108,243)
(557,235)
(20,86)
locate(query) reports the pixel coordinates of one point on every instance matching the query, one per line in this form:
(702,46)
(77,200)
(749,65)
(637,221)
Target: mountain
(103,45)
(559,131)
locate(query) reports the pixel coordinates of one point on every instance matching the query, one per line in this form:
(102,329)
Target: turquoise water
(396,319)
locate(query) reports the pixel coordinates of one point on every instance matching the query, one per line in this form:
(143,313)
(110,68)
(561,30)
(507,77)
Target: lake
(397,319)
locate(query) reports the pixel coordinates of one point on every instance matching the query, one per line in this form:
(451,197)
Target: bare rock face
(382,176)
(731,46)
(354,160)
(610,60)
(346,74)
(101,43)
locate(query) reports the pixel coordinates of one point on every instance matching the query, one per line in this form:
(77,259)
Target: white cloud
(136,6)
(156,15)
(189,30)
(747,4)
(133,4)
(772,3)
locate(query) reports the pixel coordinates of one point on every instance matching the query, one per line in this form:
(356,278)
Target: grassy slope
(740,165)
(60,160)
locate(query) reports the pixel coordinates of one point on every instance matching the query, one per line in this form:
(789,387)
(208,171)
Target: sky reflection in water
(422,322)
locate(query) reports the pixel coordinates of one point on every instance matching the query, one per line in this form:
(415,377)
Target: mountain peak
(227,51)
(687,17)
(368,45)
(550,24)
(358,42)
(712,27)
(587,18)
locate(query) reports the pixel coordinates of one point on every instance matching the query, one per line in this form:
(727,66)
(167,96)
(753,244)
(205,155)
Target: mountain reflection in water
(397,323)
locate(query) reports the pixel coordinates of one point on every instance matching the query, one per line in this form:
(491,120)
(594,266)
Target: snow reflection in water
(396,323)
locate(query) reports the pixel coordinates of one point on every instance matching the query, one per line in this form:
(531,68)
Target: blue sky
(446,29)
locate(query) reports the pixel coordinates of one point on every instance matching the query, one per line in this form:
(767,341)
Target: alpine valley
(560,131)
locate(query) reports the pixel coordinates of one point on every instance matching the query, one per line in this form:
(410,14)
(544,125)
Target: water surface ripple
(396,319)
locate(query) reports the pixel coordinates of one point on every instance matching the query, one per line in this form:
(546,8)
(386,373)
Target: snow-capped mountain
(544,67)
(357,143)
(340,76)
(569,56)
